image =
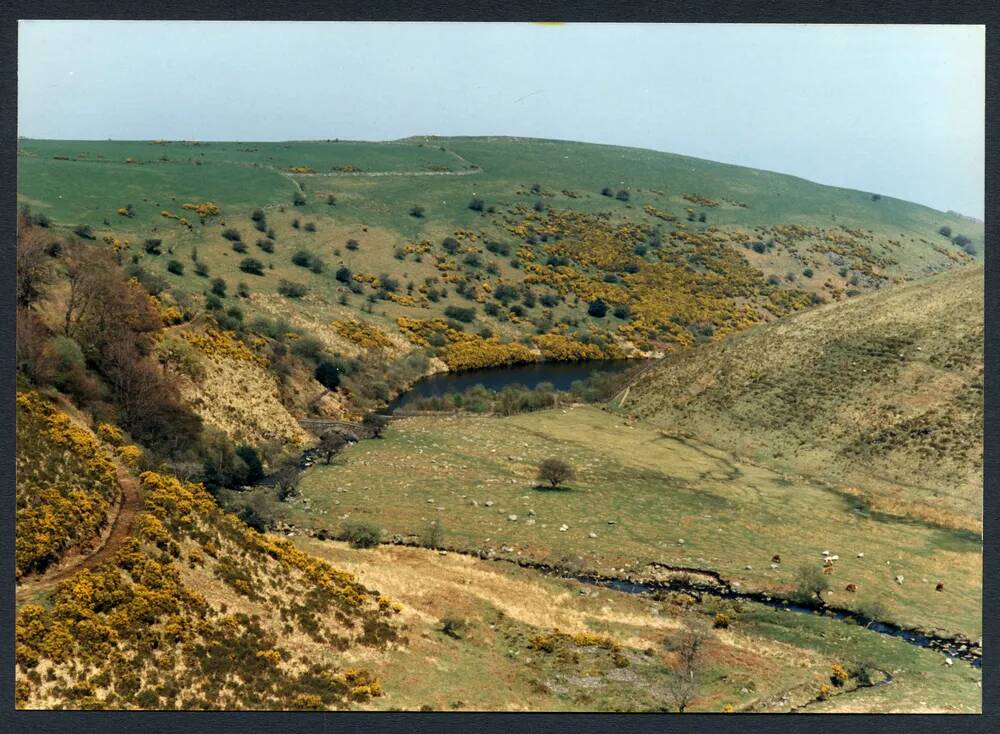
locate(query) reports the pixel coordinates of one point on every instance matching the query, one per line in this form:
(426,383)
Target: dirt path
(110,542)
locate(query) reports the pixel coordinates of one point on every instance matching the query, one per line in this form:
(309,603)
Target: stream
(957,648)
(561,375)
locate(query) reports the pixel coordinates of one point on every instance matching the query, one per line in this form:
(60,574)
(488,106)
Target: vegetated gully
(561,375)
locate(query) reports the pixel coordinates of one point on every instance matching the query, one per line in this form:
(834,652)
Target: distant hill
(502,238)
(887,386)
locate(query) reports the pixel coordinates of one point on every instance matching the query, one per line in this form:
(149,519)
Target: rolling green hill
(888,387)
(678,249)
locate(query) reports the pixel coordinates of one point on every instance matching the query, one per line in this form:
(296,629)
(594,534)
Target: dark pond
(561,374)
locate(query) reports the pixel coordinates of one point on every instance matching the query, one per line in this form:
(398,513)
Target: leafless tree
(689,648)
(554,472)
(287,482)
(32,352)
(31,267)
(330,445)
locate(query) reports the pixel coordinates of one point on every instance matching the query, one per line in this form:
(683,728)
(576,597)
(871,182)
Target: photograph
(467,367)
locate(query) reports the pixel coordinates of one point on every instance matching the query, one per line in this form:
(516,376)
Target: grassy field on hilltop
(645,496)
(678,249)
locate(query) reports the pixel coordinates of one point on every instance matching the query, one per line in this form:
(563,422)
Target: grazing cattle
(828,569)
(851,588)
(775,558)
(940,586)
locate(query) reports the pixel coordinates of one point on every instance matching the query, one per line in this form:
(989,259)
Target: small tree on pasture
(286,479)
(689,647)
(811,582)
(554,472)
(330,445)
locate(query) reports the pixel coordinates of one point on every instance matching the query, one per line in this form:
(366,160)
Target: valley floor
(766,661)
(640,496)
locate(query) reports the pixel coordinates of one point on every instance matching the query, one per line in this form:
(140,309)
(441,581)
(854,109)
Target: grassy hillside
(182,304)
(66,484)
(885,391)
(195,610)
(678,249)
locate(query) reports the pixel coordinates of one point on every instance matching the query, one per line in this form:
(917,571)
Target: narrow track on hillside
(121,528)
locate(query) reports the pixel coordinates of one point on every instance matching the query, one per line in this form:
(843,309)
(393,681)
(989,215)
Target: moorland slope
(473,248)
(885,390)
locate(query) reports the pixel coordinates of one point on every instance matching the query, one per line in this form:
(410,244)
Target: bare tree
(33,355)
(689,647)
(330,445)
(287,482)
(554,471)
(31,263)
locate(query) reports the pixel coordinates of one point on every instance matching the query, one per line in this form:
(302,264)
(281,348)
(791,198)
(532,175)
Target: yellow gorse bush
(366,336)
(135,616)
(222,344)
(204,209)
(66,482)
(559,348)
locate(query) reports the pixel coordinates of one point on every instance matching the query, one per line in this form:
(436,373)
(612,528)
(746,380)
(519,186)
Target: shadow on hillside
(550,488)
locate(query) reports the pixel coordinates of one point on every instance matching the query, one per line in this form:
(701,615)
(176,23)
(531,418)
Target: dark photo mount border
(971,12)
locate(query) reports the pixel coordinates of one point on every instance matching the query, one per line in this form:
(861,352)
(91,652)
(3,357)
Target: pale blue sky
(893,109)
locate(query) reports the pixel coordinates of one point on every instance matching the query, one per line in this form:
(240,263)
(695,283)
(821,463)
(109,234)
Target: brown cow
(828,569)
(940,586)
(775,558)
(851,588)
